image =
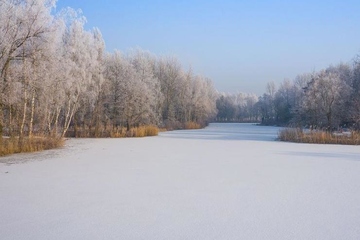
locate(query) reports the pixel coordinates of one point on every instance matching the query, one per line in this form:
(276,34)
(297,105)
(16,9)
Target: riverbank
(319,137)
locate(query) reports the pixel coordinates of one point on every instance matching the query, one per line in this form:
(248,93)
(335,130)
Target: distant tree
(266,105)
(240,107)
(226,109)
(322,99)
(354,109)
(284,103)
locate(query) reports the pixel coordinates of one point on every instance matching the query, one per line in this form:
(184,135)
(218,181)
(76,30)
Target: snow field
(228,181)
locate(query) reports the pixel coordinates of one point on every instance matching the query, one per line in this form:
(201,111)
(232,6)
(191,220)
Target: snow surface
(228,181)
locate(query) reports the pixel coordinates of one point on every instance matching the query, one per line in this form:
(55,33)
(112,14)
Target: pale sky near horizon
(240,45)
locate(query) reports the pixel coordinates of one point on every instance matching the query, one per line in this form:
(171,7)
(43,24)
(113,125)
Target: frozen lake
(228,181)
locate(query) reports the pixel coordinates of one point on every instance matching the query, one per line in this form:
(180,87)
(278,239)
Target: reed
(318,137)
(118,132)
(192,125)
(33,144)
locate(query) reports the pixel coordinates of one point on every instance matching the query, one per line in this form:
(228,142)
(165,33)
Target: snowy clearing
(228,181)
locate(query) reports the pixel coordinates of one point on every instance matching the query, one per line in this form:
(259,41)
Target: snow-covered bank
(228,181)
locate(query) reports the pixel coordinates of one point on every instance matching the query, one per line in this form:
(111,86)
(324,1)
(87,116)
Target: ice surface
(228,181)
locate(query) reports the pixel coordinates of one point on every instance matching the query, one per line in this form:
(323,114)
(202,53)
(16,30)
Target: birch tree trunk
(69,114)
(24,114)
(32,114)
(21,134)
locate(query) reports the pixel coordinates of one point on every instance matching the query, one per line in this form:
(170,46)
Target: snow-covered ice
(228,181)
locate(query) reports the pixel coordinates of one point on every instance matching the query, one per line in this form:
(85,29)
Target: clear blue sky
(240,45)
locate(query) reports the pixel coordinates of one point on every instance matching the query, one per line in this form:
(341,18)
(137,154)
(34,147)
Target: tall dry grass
(143,131)
(34,144)
(119,132)
(192,125)
(321,137)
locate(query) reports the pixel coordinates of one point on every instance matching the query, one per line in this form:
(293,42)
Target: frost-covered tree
(226,109)
(203,100)
(112,88)
(354,106)
(284,103)
(87,117)
(322,99)
(170,75)
(239,107)
(266,105)
(143,63)
(24,27)
(82,55)
(55,77)
(132,90)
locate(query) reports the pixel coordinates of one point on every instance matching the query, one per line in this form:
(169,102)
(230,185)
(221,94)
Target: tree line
(327,99)
(56,78)
(238,107)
